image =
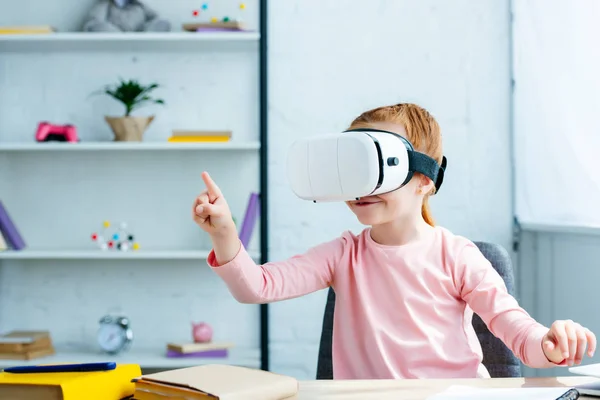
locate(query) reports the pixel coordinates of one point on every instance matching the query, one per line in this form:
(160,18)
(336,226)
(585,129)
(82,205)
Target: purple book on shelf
(252,212)
(219,353)
(9,230)
(218,30)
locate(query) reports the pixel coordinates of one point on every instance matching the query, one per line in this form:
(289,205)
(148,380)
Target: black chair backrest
(497,358)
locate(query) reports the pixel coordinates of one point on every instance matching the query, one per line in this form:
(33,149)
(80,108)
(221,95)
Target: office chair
(497,358)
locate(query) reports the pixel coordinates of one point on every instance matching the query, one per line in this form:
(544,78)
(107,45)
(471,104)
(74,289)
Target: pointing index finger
(213,189)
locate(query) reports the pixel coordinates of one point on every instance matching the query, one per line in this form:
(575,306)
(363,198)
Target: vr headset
(356,163)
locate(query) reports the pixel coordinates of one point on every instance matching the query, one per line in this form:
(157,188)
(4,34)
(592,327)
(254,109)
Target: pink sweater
(401,311)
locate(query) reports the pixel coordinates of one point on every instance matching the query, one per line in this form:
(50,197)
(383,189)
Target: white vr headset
(356,163)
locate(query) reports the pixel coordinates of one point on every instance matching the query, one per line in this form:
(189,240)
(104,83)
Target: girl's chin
(367,218)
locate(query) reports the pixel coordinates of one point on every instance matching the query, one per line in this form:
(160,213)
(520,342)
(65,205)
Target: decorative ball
(136,246)
(124,246)
(106,224)
(213,20)
(204,6)
(115,236)
(225,19)
(195,13)
(130,238)
(94,236)
(202,332)
(242,6)
(123,225)
(111,244)
(103,246)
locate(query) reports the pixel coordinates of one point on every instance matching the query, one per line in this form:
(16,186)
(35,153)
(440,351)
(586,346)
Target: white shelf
(127,146)
(138,41)
(154,358)
(107,255)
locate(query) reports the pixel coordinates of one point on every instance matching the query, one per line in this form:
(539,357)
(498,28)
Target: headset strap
(422,163)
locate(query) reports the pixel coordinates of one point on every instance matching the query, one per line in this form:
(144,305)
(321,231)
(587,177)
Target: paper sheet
(586,370)
(529,393)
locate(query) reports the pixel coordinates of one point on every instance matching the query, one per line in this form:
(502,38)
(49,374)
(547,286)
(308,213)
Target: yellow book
(195,139)
(114,384)
(24,30)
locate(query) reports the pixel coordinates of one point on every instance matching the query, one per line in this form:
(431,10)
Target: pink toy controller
(47,132)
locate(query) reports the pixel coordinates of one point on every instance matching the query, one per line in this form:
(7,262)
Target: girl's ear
(426,185)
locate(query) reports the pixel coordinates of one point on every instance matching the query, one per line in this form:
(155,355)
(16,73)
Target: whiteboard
(556,125)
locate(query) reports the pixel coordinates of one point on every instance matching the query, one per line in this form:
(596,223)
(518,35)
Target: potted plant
(133,95)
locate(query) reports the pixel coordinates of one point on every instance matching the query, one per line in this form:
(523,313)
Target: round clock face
(112,338)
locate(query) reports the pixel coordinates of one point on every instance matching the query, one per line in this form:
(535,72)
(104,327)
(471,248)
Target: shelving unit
(172,41)
(15,156)
(145,358)
(128,146)
(108,255)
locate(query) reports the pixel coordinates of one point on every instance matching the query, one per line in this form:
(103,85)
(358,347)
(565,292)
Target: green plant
(132,94)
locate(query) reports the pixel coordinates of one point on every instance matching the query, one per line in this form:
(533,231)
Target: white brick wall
(330,61)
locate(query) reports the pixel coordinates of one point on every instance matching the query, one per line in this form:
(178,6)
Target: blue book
(85,367)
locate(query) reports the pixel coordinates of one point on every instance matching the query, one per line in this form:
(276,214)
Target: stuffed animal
(124,16)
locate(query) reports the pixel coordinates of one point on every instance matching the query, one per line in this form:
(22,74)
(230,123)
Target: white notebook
(593,370)
(587,370)
(457,392)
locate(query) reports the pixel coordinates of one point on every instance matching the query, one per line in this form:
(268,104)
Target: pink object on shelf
(201,332)
(47,132)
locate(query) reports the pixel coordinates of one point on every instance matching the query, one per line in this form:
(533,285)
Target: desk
(418,389)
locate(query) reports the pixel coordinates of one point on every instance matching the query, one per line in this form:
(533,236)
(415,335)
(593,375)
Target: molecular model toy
(203,10)
(115,239)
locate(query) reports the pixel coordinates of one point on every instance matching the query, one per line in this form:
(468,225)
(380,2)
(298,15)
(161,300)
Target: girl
(406,289)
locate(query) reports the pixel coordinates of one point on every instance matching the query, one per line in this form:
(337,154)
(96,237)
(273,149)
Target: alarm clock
(115,334)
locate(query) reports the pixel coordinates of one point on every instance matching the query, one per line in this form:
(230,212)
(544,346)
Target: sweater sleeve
(484,290)
(274,281)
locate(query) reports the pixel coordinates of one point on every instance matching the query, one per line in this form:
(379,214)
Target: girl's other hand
(567,341)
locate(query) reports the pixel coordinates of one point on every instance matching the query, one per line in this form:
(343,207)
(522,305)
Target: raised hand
(568,340)
(210,210)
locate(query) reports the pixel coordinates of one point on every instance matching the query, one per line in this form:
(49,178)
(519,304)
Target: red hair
(422,130)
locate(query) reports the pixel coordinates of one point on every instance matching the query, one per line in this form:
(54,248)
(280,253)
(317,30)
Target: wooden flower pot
(129,129)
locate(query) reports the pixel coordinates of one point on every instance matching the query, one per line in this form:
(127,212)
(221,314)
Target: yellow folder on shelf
(195,139)
(24,30)
(113,384)
(187,136)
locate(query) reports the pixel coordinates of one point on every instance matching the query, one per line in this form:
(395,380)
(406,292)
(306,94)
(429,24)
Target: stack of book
(25,345)
(214,26)
(199,350)
(180,136)
(215,382)
(26,29)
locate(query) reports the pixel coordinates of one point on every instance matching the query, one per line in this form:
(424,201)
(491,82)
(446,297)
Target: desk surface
(417,389)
